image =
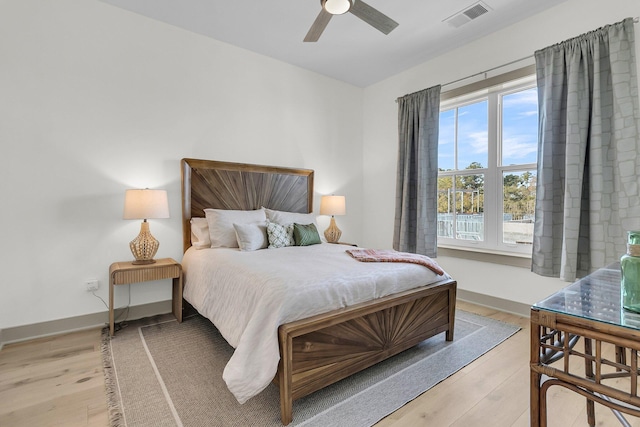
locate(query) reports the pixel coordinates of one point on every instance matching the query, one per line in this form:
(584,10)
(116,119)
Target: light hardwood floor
(58,381)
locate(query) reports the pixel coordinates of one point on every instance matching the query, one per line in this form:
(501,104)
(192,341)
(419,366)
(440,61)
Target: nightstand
(122,273)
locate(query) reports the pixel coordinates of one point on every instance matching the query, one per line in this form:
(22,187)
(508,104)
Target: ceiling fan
(359,8)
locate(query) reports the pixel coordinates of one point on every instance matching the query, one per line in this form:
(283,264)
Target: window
(487,158)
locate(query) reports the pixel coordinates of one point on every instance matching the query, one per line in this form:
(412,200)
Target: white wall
(95,100)
(567,20)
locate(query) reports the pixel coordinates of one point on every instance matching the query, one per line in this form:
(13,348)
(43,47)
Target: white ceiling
(349,49)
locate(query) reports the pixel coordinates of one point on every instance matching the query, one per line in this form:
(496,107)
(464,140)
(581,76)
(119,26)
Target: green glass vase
(630,266)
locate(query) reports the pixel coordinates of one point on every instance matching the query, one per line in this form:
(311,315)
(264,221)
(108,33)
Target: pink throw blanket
(379,255)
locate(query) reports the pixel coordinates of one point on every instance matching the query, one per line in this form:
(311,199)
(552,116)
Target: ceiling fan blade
(373,17)
(318,26)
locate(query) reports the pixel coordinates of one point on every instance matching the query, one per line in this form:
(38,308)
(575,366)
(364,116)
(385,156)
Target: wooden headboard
(224,185)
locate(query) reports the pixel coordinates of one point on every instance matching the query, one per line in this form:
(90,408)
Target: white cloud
(518,147)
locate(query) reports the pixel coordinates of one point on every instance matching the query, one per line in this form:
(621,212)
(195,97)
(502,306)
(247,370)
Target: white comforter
(247,295)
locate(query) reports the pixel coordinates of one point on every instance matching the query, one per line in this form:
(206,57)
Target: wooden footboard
(320,350)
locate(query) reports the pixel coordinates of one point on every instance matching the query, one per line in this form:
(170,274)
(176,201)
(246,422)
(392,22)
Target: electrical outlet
(91,285)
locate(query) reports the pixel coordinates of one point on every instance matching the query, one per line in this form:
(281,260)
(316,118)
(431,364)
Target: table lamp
(332,205)
(145,204)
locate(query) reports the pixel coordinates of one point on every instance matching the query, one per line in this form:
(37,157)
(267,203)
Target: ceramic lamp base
(333,233)
(145,246)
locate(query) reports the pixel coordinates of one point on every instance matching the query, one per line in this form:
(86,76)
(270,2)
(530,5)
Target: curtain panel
(588,152)
(416,216)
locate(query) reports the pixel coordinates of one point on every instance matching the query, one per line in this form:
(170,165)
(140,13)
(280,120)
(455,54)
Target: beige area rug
(163,373)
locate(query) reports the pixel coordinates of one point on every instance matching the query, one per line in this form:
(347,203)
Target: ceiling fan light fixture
(337,7)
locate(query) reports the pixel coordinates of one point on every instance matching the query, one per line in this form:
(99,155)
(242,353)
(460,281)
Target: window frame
(493,90)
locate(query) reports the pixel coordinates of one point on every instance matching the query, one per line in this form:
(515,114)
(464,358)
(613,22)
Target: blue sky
(520,129)
(519,132)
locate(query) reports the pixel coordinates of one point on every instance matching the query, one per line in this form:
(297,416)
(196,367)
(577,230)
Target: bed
(321,343)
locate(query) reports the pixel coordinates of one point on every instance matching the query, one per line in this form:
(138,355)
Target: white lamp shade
(337,7)
(145,204)
(333,205)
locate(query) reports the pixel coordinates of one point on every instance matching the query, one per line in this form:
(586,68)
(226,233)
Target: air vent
(472,12)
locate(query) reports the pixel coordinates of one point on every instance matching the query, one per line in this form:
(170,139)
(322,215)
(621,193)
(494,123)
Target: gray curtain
(588,152)
(416,221)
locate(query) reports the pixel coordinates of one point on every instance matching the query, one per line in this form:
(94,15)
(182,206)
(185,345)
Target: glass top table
(605,367)
(595,297)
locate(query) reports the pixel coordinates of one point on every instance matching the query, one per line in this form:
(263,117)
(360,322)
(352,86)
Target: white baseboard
(87,321)
(513,307)
(96,320)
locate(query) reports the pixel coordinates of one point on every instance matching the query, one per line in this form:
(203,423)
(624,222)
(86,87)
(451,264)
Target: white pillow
(200,233)
(251,236)
(221,231)
(286,218)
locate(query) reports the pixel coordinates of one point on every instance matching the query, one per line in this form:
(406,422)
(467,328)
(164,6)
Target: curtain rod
(486,71)
(482,72)
(635,20)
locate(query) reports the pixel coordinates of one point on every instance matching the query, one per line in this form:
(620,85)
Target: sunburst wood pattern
(332,353)
(359,339)
(222,189)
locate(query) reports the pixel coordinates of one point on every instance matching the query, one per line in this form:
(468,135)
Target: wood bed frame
(320,350)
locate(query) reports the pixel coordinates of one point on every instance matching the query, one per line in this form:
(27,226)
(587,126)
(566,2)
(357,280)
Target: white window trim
(490,89)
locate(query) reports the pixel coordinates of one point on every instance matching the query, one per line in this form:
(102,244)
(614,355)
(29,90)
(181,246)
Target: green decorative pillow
(305,234)
(280,235)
